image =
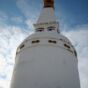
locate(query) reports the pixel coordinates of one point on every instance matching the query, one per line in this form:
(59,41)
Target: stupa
(46,59)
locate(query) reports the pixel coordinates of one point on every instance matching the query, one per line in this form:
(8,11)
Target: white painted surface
(47,15)
(45,64)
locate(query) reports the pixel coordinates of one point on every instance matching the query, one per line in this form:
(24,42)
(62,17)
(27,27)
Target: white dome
(46,60)
(43,38)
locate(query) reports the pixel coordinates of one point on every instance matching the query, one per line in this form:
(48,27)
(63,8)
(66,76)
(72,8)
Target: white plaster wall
(47,15)
(45,67)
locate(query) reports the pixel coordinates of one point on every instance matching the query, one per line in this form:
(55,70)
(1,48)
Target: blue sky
(72,12)
(16,23)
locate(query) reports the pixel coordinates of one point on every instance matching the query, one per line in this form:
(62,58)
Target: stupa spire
(48,3)
(47,16)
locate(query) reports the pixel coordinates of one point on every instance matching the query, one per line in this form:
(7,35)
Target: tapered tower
(46,59)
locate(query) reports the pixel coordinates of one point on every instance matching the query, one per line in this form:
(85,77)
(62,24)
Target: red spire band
(48,3)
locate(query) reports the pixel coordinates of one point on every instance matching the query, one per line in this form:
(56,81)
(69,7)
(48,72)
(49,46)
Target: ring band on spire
(48,3)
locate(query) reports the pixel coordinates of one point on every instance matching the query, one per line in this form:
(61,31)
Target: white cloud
(29,24)
(3,16)
(4,84)
(17,19)
(25,7)
(28,9)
